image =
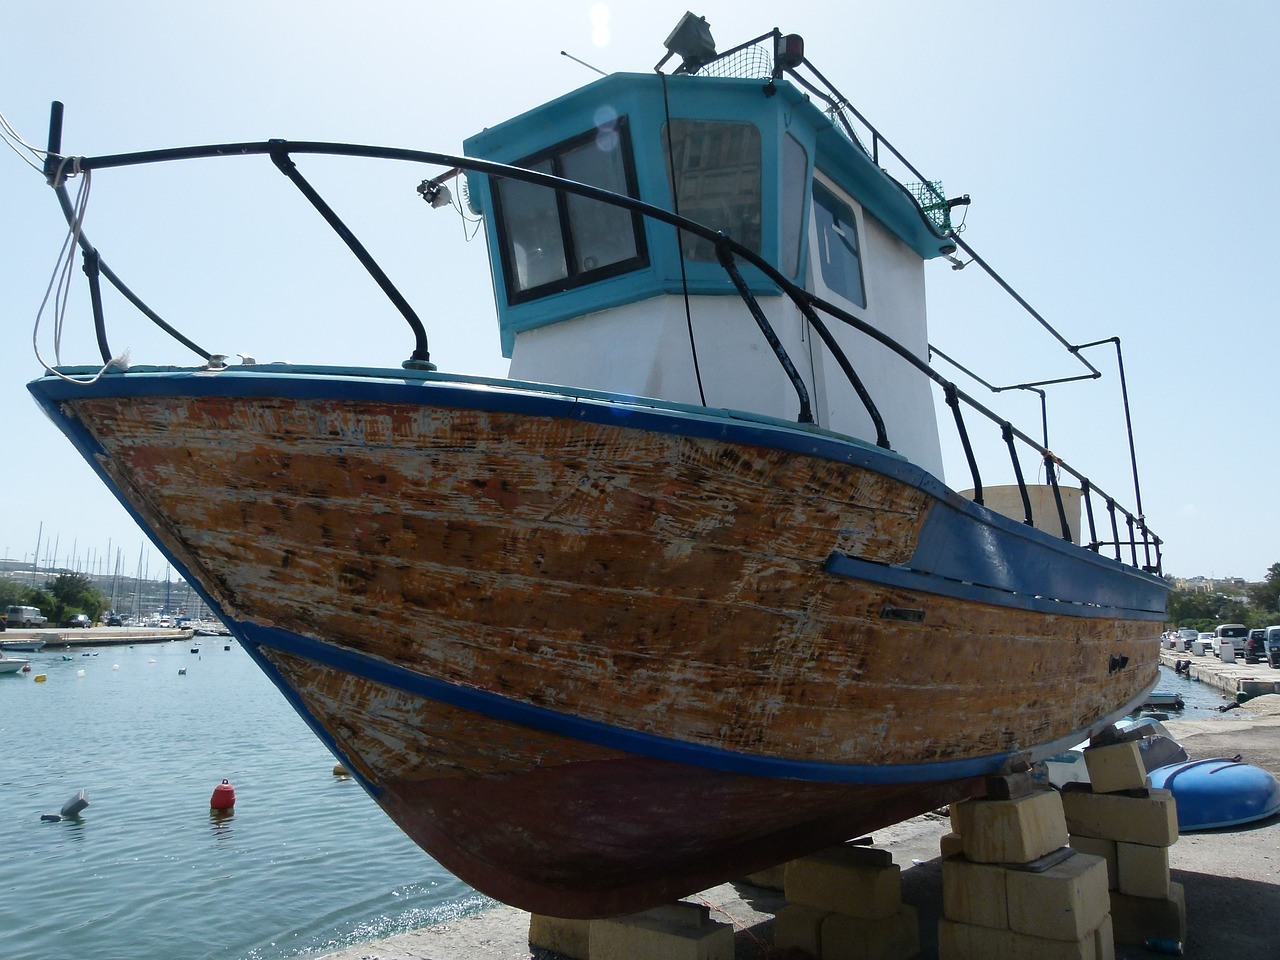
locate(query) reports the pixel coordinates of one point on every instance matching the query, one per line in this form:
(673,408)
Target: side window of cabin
(839,252)
(552,240)
(717,180)
(795,177)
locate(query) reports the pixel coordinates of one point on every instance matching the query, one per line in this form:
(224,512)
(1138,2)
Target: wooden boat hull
(593,652)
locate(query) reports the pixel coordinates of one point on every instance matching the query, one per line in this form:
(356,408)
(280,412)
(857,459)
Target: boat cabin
(601,297)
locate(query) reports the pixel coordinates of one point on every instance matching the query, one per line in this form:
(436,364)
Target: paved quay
(97,636)
(1232,877)
(1250,679)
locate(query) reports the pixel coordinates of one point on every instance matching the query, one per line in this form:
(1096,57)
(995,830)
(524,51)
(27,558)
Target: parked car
(25,617)
(80,620)
(115,620)
(1232,633)
(1255,647)
(1273,646)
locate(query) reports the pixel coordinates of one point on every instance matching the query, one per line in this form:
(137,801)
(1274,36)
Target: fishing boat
(26,645)
(685,595)
(12,664)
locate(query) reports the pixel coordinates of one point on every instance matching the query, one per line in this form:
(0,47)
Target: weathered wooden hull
(593,654)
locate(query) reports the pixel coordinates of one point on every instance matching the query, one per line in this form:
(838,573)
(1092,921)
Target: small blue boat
(1218,792)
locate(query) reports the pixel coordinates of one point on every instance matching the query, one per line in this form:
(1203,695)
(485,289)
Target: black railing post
(1006,430)
(724,253)
(93,270)
(1086,492)
(421,357)
(1115,529)
(953,401)
(1052,474)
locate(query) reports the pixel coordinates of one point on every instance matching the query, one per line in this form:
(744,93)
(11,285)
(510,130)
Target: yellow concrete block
(1115,767)
(1138,919)
(569,938)
(1143,870)
(797,927)
(1065,902)
(840,880)
(1011,831)
(1097,847)
(770,879)
(855,938)
(950,845)
(680,931)
(963,941)
(1149,820)
(974,893)
(1104,944)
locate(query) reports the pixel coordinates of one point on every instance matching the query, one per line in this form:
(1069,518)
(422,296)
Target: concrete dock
(55,638)
(1232,877)
(1233,679)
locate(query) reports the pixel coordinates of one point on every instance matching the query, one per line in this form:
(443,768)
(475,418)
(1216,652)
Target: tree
(74,593)
(1266,595)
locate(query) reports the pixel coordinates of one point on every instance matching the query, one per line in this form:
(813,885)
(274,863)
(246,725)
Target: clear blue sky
(1120,158)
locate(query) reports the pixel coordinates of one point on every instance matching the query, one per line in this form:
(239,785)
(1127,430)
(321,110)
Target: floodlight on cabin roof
(691,41)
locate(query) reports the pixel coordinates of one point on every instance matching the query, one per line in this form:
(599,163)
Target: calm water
(1202,699)
(306,863)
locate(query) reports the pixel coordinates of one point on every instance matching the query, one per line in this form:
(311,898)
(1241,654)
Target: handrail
(728,251)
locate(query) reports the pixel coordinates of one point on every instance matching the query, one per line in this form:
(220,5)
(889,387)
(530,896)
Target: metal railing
(729,253)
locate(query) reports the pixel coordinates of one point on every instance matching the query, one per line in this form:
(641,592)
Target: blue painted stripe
(930,584)
(965,542)
(502,708)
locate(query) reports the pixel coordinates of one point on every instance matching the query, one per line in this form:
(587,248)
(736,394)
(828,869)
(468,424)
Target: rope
(59,287)
(19,146)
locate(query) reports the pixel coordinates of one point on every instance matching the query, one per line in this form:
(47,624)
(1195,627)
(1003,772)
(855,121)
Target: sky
(1118,157)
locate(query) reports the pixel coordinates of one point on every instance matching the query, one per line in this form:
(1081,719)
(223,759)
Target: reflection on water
(220,820)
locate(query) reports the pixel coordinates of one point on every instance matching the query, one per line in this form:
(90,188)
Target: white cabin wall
(895,289)
(643,349)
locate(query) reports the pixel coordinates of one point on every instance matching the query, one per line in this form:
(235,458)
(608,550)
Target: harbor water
(305,863)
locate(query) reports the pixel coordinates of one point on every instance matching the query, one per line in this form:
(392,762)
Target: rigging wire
(684,279)
(19,146)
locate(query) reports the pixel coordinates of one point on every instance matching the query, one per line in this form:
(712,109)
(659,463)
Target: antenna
(583,62)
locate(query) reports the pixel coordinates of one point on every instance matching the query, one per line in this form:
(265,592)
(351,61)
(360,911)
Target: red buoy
(224,796)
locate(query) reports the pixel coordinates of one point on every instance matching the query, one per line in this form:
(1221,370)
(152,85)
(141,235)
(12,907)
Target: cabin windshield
(717,181)
(551,240)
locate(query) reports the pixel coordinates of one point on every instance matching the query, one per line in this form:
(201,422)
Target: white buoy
(115,666)
(79,673)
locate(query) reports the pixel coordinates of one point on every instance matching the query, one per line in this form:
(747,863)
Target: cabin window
(838,251)
(795,177)
(552,240)
(717,181)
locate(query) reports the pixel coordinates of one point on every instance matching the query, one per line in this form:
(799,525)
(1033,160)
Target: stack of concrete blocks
(1131,827)
(1012,888)
(675,931)
(845,903)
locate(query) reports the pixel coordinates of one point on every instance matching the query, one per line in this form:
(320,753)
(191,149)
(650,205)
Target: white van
(24,617)
(1236,634)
